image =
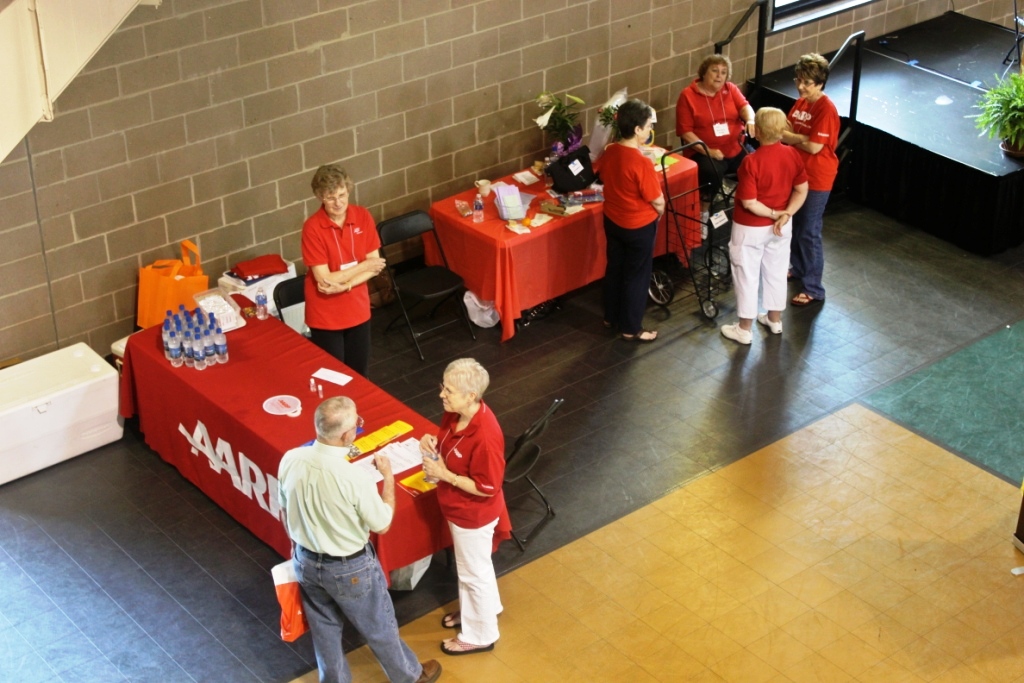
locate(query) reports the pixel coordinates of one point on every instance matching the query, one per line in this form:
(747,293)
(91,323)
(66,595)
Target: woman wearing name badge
(340,248)
(815,131)
(467,459)
(633,205)
(713,110)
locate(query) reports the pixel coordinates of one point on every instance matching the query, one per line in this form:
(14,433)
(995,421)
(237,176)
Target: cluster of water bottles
(193,339)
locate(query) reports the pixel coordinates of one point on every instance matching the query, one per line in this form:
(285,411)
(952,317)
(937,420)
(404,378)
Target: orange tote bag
(166,283)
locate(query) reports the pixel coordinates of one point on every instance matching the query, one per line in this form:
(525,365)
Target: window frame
(802,12)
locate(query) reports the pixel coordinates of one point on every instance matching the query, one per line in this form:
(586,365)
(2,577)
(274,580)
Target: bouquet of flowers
(606,131)
(559,119)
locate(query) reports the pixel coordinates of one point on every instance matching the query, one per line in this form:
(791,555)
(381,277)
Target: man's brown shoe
(431,671)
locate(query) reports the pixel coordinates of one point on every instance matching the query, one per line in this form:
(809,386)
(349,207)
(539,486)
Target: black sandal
(640,338)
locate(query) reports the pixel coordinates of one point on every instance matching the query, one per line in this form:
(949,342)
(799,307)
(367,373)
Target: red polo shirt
(477,452)
(326,243)
(630,185)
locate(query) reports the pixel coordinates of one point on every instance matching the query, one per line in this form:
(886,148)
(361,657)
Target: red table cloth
(211,425)
(518,272)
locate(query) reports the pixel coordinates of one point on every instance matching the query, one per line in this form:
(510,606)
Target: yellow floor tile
(851,654)
(814,629)
(780,650)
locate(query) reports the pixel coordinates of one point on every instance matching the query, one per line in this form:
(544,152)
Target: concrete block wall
(205,119)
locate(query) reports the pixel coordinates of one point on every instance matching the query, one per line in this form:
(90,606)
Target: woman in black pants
(633,205)
(341,250)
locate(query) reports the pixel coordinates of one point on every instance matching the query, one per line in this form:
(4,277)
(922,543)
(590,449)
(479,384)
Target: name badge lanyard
(720,130)
(341,255)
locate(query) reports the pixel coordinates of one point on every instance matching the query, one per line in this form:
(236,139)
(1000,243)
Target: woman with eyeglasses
(341,250)
(633,205)
(714,111)
(814,133)
(467,458)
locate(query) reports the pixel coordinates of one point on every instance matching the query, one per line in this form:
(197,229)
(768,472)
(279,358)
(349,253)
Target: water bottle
(174,350)
(478,209)
(429,479)
(198,353)
(186,350)
(208,350)
(261,304)
(220,345)
(165,333)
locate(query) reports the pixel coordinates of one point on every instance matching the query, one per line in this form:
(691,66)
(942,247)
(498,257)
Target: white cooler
(55,407)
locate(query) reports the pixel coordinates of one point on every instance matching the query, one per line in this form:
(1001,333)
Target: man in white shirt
(329,508)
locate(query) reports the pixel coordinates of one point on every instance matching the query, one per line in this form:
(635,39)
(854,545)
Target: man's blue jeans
(806,253)
(332,587)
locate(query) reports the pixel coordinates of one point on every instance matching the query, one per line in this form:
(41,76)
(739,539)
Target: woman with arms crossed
(340,248)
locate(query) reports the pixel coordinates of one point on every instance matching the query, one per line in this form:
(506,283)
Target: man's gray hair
(334,417)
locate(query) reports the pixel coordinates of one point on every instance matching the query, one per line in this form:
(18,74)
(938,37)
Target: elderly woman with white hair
(772,187)
(467,457)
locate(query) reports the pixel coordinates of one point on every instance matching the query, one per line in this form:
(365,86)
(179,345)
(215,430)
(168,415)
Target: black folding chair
(521,458)
(429,284)
(287,297)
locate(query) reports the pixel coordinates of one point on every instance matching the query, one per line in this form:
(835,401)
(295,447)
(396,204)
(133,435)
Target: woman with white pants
(772,187)
(467,458)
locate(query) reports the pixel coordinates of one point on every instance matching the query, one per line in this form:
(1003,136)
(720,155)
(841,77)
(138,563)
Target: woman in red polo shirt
(714,111)
(633,204)
(772,188)
(467,457)
(340,248)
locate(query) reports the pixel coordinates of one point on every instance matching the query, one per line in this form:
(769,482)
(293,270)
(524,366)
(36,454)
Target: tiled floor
(852,550)
(114,568)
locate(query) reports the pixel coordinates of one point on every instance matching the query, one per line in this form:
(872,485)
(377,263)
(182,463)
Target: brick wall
(205,119)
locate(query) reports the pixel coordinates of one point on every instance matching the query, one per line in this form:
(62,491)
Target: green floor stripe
(972,402)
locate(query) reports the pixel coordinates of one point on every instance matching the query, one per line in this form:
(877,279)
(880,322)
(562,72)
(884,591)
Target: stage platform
(916,154)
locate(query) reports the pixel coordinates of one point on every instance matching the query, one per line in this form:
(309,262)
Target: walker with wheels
(700,246)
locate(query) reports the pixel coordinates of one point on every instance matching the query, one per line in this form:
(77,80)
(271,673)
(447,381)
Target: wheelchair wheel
(661,291)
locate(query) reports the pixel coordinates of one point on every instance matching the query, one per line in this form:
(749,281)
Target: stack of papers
(404,455)
(373,441)
(525,177)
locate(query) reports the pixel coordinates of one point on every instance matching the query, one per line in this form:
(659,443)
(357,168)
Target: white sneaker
(737,333)
(775,328)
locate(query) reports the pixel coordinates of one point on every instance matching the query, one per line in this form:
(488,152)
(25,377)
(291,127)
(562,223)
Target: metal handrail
(857,38)
(762,32)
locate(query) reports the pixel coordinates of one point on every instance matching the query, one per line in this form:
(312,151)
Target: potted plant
(1002,114)
(559,119)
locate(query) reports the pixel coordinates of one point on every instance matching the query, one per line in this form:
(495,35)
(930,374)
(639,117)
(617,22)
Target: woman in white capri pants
(772,187)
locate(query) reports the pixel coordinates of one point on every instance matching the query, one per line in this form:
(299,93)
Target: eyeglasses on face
(806,82)
(336,198)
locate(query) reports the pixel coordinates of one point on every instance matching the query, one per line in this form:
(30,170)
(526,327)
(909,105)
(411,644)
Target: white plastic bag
(602,135)
(405,578)
(482,313)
